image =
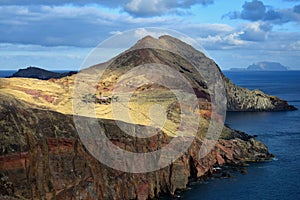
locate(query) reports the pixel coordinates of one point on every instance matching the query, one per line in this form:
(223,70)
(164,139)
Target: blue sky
(59,34)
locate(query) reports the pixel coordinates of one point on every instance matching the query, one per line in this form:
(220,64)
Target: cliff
(43,157)
(35,72)
(242,99)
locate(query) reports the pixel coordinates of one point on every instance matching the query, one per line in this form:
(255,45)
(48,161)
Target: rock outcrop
(242,99)
(38,73)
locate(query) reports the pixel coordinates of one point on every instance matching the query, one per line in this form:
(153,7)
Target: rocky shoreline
(244,100)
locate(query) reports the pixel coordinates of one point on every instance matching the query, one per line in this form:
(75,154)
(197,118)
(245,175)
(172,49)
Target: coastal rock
(242,99)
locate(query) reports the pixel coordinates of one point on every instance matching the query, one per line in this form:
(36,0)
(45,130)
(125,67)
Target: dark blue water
(6,73)
(280,131)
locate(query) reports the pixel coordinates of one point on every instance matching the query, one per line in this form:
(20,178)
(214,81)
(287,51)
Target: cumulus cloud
(295,46)
(111,3)
(223,41)
(142,32)
(61,58)
(257,11)
(66,25)
(254,11)
(256,31)
(160,7)
(249,35)
(201,30)
(142,8)
(297,9)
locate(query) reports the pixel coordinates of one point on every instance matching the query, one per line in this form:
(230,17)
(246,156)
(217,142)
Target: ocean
(6,73)
(280,131)
(278,179)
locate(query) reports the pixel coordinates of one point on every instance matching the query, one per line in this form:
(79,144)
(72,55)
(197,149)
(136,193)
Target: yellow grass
(141,109)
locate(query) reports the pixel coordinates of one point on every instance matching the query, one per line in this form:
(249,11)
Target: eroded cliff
(42,157)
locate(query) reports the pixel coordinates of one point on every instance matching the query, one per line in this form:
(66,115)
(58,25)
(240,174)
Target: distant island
(263,66)
(38,73)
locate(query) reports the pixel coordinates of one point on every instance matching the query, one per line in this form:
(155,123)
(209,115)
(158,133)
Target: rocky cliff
(242,99)
(42,157)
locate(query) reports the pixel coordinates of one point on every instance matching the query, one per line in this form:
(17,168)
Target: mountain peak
(151,39)
(147,40)
(168,43)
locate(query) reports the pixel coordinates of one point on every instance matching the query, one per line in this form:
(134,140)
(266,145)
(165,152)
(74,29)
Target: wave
(275,159)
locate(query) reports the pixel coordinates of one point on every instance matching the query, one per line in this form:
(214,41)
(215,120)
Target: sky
(59,34)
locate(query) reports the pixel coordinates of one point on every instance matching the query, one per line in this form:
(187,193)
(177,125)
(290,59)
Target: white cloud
(224,41)
(160,7)
(213,27)
(142,32)
(14,56)
(115,32)
(256,31)
(66,25)
(295,46)
(157,32)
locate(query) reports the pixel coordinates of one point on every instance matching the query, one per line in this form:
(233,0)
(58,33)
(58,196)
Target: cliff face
(242,99)
(43,157)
